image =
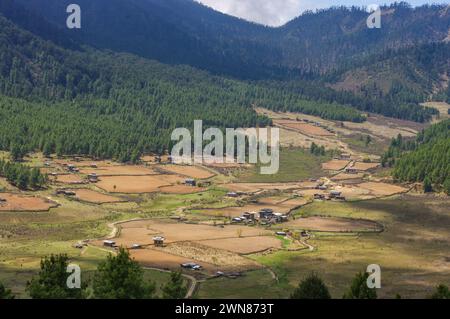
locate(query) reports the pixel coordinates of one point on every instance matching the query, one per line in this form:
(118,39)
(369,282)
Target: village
(206,220)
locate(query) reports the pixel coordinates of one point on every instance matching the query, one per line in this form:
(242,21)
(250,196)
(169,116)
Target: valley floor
(377,222)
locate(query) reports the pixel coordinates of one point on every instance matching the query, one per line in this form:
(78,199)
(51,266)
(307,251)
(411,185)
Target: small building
(136,246)
(265,213)
(335,194)
(2,200)
(93,178)
(281,233)
(249,216)
(191,265)
(237,220)
(65,192)
(93,165)
(351,170)
(190,182)
(319,196)
(158,241)
(109,243)
(232,194)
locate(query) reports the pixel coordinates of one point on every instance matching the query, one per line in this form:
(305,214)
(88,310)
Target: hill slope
(186,32)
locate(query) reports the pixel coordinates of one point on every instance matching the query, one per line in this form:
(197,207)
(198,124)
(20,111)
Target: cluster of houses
(65,192)
(336,195)
(265,216)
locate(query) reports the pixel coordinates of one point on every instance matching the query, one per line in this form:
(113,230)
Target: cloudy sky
(278,12)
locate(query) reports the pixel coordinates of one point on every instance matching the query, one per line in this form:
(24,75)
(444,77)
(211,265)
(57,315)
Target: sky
(278,12)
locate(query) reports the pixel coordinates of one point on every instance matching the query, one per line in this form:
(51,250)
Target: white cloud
(278,12)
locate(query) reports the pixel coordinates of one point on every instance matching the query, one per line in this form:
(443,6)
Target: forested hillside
(316,46)
(118,105)
(61,92)
(186,32)
(425,159)
(406,75)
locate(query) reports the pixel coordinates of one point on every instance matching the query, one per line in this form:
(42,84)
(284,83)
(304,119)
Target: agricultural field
(371,220)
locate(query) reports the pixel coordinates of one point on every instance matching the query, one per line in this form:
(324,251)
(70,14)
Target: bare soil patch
(208,255)
(21,203)
(126,170)
(133,184)
(361,166)
(142,232)
(68,179)
(189,171)
(346,176)
(91,196)
(383,189)
(335,165)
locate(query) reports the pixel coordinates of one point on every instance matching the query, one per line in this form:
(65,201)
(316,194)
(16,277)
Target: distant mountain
(186,32)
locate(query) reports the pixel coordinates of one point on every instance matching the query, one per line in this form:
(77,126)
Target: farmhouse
(190,182)
(232,194)
(319,196)
(72,168)
(334,194)
(65,192)
(158,241)
(93,178)
(351,170)
(249,216)
(266,213)
(109,243)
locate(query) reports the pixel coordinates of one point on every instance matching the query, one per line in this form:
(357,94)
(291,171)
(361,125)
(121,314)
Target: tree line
(117,277)
(423,159)
(121,277)
(22,176)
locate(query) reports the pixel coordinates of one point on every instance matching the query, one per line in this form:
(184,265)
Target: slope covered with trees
(117,105)
(425,159)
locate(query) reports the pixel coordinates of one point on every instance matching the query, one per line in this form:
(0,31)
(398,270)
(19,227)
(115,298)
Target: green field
(295,165)
(257,284)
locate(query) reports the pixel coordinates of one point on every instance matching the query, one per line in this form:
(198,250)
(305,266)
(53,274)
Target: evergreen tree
(120,277)
(51,281)
(175,288)
(5,293)
(312,287)
(359,288)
